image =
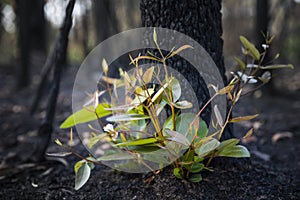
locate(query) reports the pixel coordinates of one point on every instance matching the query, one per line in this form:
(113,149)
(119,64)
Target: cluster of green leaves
(186,133)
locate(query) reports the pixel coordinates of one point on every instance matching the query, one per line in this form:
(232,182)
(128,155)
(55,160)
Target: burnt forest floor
(272,172)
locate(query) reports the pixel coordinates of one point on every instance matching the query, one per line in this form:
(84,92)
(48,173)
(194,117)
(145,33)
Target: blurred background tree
(35,27)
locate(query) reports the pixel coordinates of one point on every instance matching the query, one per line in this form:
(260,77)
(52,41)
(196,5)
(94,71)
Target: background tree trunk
(23,17)
(262,28)
(37,26)
(105,20)
(31,35)
(262,23)
(1,15)
(199,19)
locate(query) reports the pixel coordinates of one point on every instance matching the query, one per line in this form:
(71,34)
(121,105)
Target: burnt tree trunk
(59,57)
(262,22)
(31,35)
(105,20)
(200,20)
(1,15)
(23,21)
(38,26)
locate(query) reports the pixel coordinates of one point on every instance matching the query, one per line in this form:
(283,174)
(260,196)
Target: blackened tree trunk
(1,15)
(261,23)
(200,20)
(23,17)
(59,58)
(31,35)
(261,31)
(105,19)
(262,20)
(37,26)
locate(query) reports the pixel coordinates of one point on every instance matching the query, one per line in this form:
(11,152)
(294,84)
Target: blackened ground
(271,173)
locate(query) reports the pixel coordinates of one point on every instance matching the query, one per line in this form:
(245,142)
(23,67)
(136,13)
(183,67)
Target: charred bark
(59,56)
(106,23)
(31,35)
(23,21)
(200,20)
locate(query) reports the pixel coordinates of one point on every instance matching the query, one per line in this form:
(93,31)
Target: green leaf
(58,142)
(104,66)
(90,164)
(203,130)
(183,122)
(78,165)
(179,50)
(197,159)
(117,156)
(218,116)
(142,95)
(183,104)
(147,148)
(178,137)
(237,151)
(155,37)
(94,140)
(178,173)
(248,45)
(197,167)
(126,117)
(195,178)
(59,154)
(176,89)
(137,142)
(160,107)
(86,114)
(277,66)
(147,77)
(265,77)
(161,158)
(243,118)
(226,89)
(82,175)
(188,159)
(248,134)
(240,62)
(207,147)
(228,143)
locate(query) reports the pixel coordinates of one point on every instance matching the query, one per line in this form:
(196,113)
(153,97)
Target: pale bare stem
(139,159)
(166,70)
(171,95)
(253,90)
(165,92)
(234,100)
(78,155)
(134,131)
(86,159)
(108,89)
(210,159)
(151,112)
(207,103)
(173,117)
(155,118)
(222,130)
(99,120)
(154,121)
(253,72)
(188,172)
(199,113)
(157,46)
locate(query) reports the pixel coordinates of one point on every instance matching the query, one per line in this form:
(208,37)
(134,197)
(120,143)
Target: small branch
(59,57)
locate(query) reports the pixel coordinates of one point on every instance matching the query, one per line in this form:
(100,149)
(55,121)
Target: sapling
(182,138)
